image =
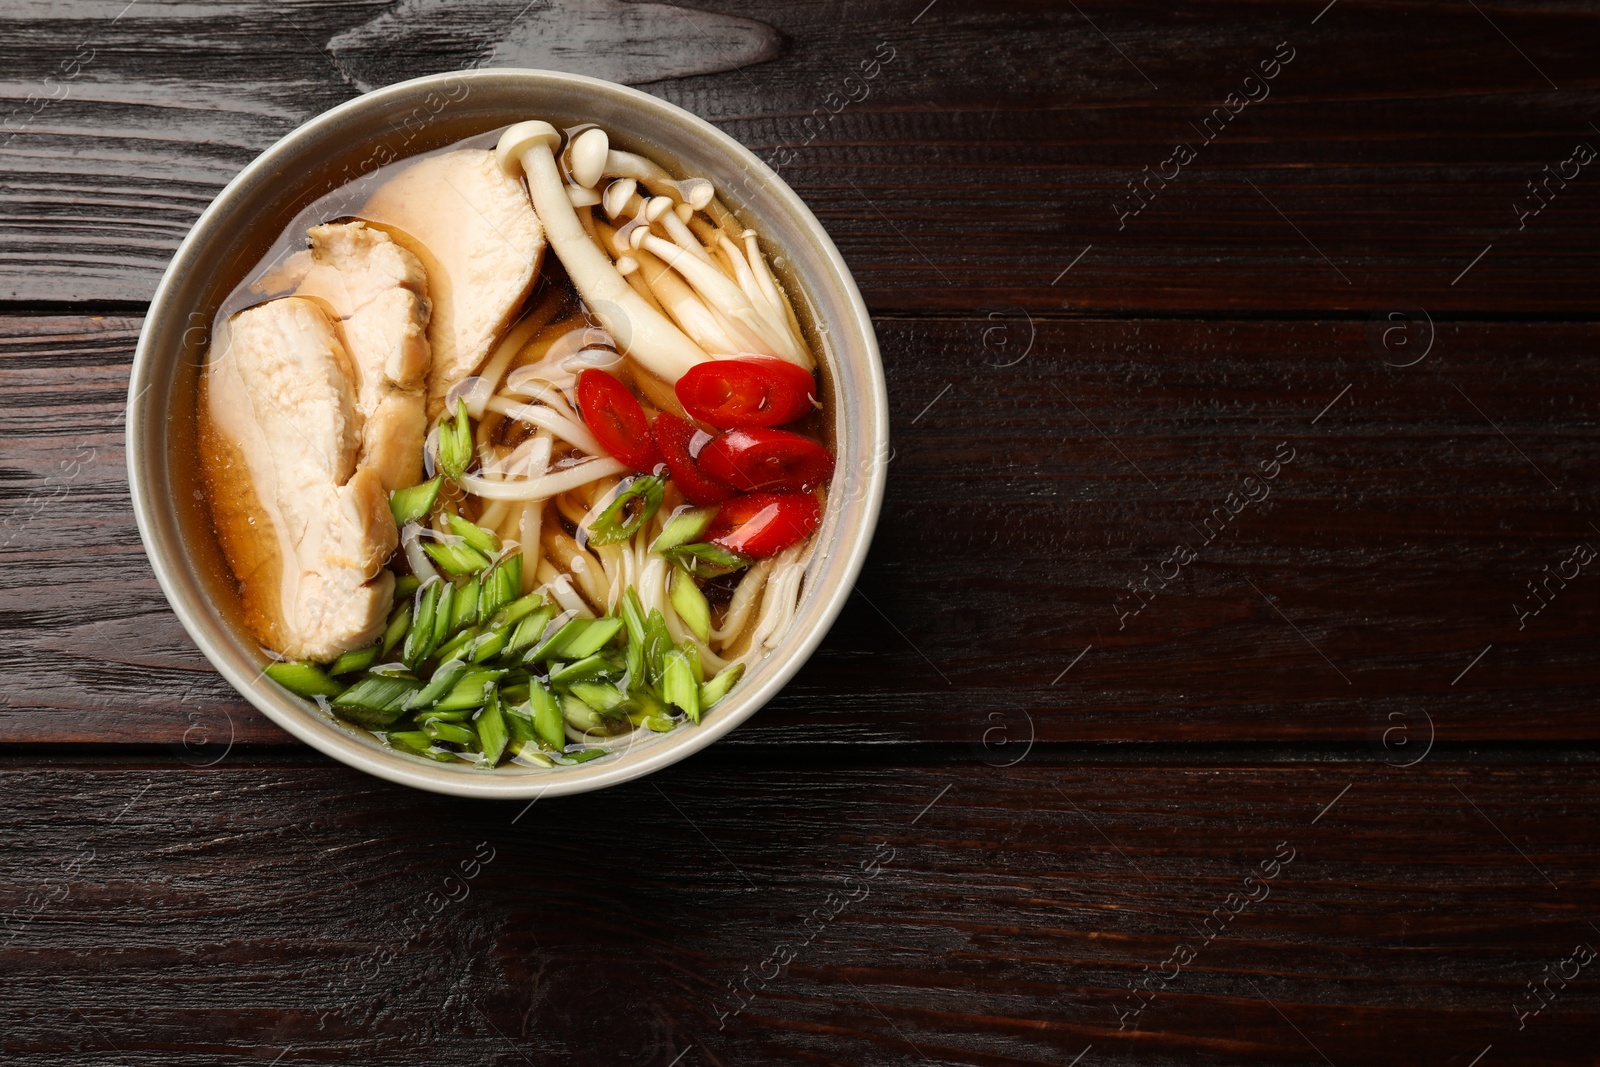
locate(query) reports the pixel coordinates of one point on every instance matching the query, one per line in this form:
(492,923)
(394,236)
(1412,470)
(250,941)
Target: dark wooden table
(1221,688)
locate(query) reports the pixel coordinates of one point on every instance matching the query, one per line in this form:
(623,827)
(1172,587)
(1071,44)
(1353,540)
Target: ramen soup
(513,450)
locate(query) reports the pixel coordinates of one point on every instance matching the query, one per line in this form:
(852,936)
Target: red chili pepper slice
(764,460)
(746,391)
(674,437)
(617,420)
(764,524)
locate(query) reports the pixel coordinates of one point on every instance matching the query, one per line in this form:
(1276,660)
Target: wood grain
(1040,467)
(961,915)
(991,150)
(622,42)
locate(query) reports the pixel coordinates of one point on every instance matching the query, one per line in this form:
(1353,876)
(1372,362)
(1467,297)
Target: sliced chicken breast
(304,524)
(377,292)
(476,233)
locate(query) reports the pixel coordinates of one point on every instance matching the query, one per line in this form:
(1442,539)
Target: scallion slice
(464,611)
(690,604)
(355,660)
(303,679)
(455,442)
(471,691)
(529,630)
(457,558)
(492,733)
(577,639)
(678,685)
(453,732)
(439,686)
(444,614)
(718,687)
(474,535)
(706,560)
(418,744)
(546,716)
(419,642)
(489,645)
(375,700)
(399,623)
(686,525)
(414,504)
(634,504)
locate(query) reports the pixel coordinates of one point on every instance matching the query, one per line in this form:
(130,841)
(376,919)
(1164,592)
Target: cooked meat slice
(475,232)
(305,526)
(378,293)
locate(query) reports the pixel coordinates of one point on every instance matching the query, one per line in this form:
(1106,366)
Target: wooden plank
(1389,160)
(1041,466)
(732,911)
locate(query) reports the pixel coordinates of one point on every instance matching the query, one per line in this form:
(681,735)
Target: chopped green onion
(455,442)
(357,660)
(584,755)
(546,716)
(521,608)
(718,687)
(303,679)
(659,723)
(685,525)
(529,630)
(706,560)
(678,685)
(405,585)
(399,623)
(519,722)
(443,681)
(577,639)
(492,734)
(634,504)
(375,700)
(490,644)
(464,612)
(510,571)
(690,604)
(525,750)
(633,619)
(452,732)
(602,698)
(419,642)
(472,691)
(418,744)
(414,504)
(580,716)
(497,589)
(474,535)
(444,614)
(453,648)
(583,670)
(657,642)
(455,557)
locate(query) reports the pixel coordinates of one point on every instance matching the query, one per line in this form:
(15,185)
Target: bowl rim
(285,710)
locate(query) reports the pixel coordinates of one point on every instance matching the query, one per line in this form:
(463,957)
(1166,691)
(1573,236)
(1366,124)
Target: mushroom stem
(686,309)
(721,292)
(683,237)
(644,332)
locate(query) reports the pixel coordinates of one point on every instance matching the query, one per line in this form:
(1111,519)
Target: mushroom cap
(586,158)
(520,138)
(617,195)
